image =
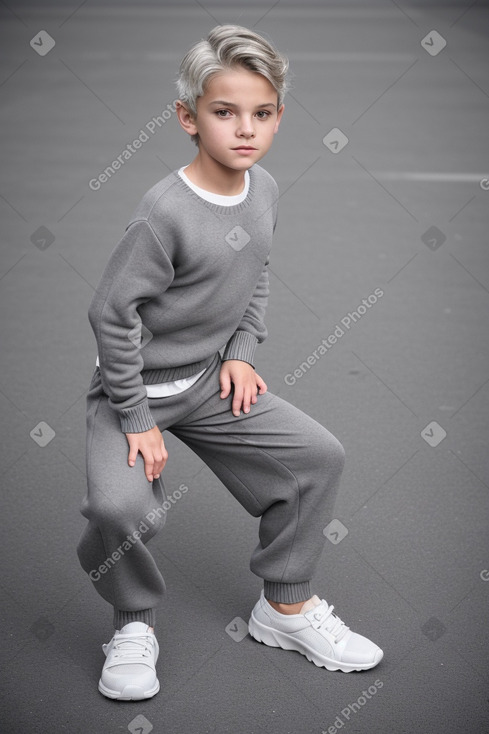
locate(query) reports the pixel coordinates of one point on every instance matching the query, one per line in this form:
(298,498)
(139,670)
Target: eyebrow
(231,104)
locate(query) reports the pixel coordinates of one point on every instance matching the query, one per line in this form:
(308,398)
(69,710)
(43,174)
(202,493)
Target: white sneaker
(129,672)
(315,632)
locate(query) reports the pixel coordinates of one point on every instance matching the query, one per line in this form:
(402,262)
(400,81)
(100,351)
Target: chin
(240,166)
(247,162)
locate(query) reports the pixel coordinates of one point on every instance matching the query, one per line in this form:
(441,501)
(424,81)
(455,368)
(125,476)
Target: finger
(260,388)
(160,465)
(133,452)
(246,400)
(237,400)
(163,453)
(225,381)
(149,468)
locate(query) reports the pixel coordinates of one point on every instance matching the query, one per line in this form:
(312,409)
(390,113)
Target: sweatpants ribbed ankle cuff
(287,593)
(148,616)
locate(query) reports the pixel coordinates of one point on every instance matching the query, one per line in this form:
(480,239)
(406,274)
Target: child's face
(239,108)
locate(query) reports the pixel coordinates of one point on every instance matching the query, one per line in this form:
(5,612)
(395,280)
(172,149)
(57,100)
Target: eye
(263,114)
(222,113)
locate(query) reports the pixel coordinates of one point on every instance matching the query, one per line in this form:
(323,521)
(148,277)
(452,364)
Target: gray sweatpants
(279,463)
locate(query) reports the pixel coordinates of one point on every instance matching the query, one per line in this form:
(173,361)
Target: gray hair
(226,47)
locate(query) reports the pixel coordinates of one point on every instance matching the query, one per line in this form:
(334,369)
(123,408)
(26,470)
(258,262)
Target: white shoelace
(334,625)
(131,648)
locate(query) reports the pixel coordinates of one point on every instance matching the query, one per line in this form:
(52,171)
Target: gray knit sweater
(187,279)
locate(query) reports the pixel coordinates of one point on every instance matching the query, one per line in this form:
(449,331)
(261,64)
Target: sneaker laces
(331,622)
(131,648)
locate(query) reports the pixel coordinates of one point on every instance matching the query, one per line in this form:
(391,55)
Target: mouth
(244,147)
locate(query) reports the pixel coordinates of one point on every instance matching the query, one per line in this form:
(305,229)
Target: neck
(209,174)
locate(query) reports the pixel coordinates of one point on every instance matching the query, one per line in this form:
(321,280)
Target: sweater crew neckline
(220,208)
(220,199)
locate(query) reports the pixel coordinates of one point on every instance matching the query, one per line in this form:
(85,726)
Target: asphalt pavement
(380,253)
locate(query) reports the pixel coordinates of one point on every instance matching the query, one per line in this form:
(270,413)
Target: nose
(246,128)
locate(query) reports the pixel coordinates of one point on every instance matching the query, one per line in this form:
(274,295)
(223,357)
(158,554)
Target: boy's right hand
(152,447)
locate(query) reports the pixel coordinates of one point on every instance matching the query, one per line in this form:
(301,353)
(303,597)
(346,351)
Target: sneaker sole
(274,638)
(129,693)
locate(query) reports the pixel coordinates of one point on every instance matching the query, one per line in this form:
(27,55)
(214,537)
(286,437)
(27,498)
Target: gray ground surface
(412,570)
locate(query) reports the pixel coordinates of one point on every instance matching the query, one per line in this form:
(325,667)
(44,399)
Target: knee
(127,519)
(101,510)
(329,452)
(106,510)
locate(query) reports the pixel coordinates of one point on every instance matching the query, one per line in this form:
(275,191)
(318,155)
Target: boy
(189,278)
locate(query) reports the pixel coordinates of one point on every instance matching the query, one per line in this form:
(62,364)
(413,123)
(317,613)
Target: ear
(185,118)
(280,112)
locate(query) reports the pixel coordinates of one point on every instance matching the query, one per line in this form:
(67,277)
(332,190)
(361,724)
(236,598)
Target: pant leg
(282,465)
(123,511)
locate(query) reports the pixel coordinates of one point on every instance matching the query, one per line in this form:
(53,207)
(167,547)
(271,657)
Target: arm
(138,269)
(238,358)
(251,330)
(239,354)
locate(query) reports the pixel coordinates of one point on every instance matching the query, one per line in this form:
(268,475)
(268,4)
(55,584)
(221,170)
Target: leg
(285,467)
(282,465)
(124,511)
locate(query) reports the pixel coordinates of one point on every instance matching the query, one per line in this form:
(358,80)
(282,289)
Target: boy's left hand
(245,381)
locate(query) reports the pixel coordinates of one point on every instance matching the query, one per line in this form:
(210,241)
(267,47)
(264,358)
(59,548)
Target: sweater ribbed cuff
(287,593)
(241,346)
(137,419)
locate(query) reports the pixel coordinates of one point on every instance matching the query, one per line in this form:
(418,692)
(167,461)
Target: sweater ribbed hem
(242,345)
(137,419)
(148,616)
(287,593)
(169,374)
